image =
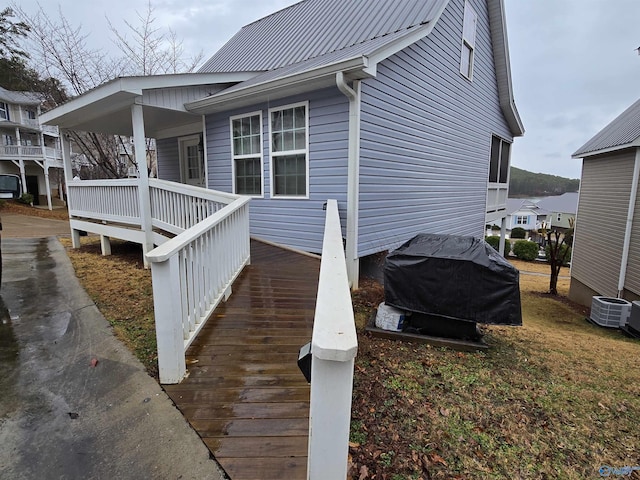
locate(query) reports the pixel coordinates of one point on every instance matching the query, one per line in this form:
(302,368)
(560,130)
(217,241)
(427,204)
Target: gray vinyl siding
(426,136)
(605,189)
(175,97)
(298,223)
(168,159)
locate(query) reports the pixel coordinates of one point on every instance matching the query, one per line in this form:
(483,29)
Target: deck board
(244,394)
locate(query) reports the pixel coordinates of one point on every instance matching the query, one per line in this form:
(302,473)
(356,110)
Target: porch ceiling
(107,108)
(112,115)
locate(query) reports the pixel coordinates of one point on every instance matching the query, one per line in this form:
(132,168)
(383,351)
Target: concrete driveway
(62,415)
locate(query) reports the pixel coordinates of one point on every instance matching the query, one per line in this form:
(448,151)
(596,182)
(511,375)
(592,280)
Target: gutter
(209,104)
(629,226)
(353,177)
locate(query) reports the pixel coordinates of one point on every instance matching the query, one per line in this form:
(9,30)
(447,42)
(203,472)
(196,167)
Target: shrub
(494,241)
(526,250)
(26,198)
(495,227)
(518,232)
(563,249)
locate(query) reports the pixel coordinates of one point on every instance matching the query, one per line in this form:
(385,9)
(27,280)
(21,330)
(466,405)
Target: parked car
(10,186)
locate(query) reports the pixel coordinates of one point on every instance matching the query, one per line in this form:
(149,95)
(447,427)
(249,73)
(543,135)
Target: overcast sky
(573,62)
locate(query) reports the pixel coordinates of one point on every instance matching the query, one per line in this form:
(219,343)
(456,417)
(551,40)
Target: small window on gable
(246,142)
(468,40)
(499,162)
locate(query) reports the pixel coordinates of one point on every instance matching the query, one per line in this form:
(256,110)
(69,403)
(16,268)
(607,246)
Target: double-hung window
(4,111)
(246,141)
(289,134)
(468,40)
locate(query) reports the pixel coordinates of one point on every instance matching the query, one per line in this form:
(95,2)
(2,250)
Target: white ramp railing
(175,207)
(334,346)
(191,274)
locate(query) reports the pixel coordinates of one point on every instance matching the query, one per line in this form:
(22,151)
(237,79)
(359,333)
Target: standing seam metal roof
(313,28)
(622,131)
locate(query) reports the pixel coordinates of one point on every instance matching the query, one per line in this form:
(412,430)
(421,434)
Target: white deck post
(23,175)
(169,334)
(68,174)
(45,167)
(503,233)
(333,348)
(137,119)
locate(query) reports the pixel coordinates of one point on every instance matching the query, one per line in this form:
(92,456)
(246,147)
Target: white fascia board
(414,35)
(218,101)
(135,86)
(500,43)
(634,144)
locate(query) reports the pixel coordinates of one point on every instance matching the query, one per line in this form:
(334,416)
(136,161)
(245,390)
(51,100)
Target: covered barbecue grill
(452,278)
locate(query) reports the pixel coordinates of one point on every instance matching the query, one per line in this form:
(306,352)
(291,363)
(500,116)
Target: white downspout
(353,177)
(627,233)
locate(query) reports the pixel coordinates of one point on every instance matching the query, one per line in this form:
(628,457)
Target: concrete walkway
(61,415)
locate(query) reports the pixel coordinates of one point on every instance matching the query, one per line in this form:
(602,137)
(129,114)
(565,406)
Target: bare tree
(60,50)
(148,50)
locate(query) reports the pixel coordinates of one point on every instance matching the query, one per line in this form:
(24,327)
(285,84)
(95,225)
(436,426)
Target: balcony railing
(31,152)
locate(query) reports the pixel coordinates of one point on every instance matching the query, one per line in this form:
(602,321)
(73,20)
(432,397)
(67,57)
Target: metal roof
(19,98)
(622,132)
(314,28)
(565,203)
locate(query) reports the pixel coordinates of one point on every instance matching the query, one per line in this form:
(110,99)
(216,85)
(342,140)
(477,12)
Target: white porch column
(68,175)
(503,232)
(45,167)
(23,175)
(140,154)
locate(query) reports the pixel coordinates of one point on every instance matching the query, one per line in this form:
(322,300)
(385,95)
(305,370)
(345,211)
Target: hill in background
(528,184)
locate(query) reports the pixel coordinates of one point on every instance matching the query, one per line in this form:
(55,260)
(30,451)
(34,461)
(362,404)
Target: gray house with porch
(402,111)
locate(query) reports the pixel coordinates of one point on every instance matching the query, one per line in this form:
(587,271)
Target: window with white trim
(4,111)
(31,114)
(522,220)
(289,134)
(499,164)
(468,40)
(246,143)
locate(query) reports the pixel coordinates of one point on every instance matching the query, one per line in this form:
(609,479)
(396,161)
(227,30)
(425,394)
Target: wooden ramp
(245,395)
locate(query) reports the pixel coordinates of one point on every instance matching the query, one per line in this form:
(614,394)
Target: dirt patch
(22,209)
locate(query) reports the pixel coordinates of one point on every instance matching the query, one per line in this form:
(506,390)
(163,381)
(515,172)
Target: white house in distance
(407,120)
(27,148)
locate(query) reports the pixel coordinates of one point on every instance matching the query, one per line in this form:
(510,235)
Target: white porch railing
(497,196)
(334,346)
(108,200)
(191,274)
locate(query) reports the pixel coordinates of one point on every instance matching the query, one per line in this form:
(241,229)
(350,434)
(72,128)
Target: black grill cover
(453,276)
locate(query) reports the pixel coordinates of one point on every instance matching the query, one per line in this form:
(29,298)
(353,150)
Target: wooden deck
(244,394)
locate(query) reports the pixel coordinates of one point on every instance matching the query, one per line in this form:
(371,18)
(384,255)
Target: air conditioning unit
(610,312)
(132,172)
(633,324)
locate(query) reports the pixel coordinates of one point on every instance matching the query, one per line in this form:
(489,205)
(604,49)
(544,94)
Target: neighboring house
(606,248)
(562,210)
(403,111)
(524,214)
(27,148)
